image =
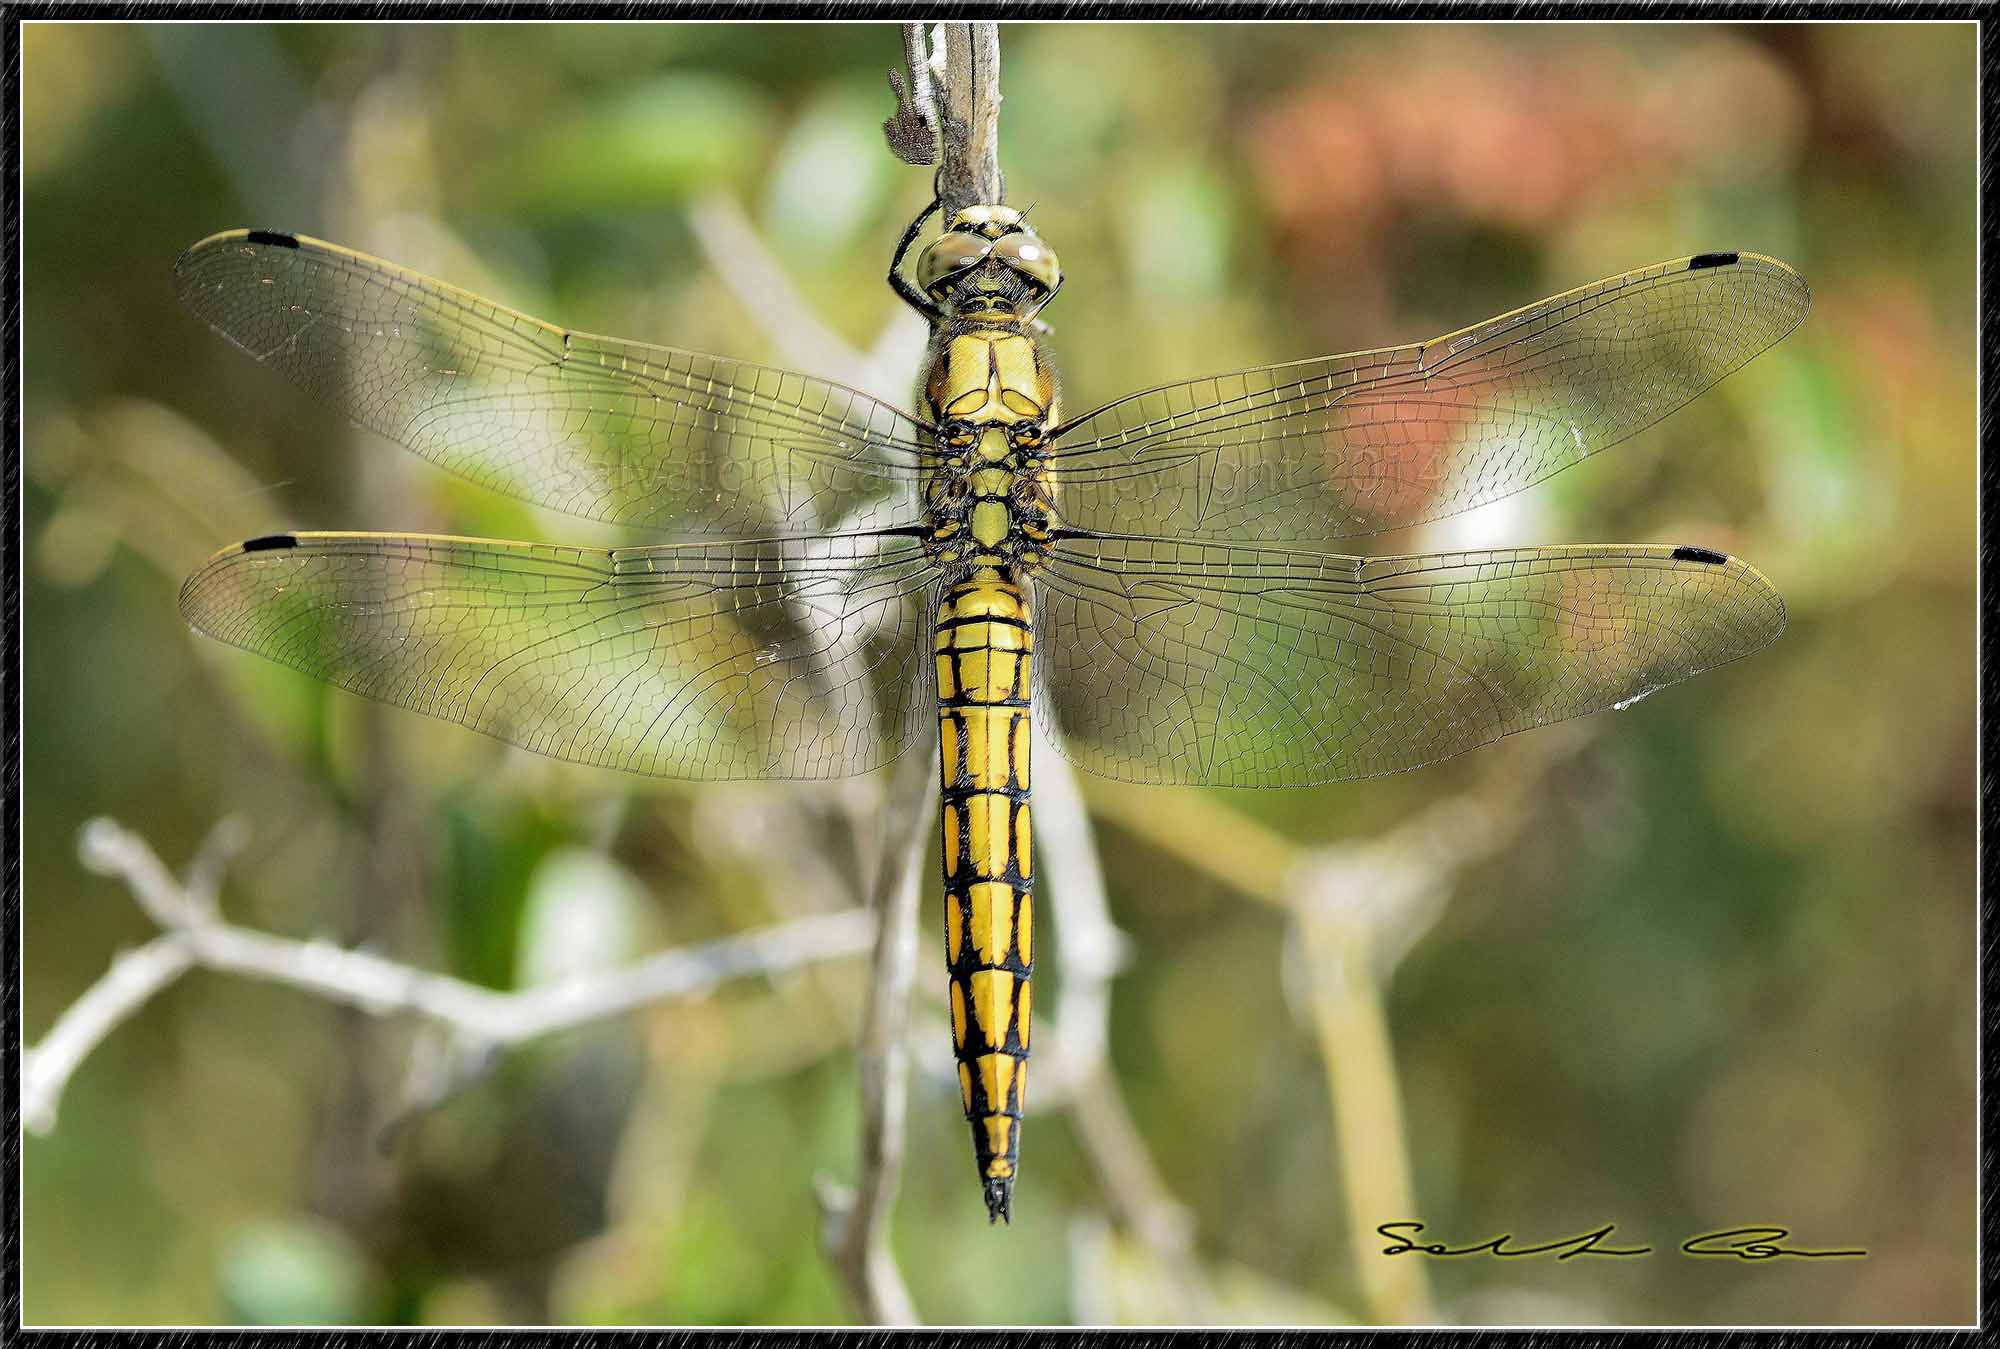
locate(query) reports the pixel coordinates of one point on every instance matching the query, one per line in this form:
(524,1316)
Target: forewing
(772,659)
(1254,667)
(1348,445)
(632,434)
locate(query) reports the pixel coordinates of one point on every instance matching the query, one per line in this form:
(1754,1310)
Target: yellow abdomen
(985,646)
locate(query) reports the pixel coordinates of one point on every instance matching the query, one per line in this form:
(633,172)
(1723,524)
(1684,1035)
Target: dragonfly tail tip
(999,1201)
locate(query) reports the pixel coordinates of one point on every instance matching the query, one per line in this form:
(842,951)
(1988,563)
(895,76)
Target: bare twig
(737,254)
(195,936)
(134,977)
(1075,1070)
(1080,1076)
(1139,1196)
(1206,834)
(855,1223)
(1074,1042)
(229,837)
(969,116)
(1360,906)
(913,130)
(1369,1149)
(442,1063)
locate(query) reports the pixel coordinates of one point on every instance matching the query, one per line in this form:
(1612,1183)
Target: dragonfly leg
(899,283)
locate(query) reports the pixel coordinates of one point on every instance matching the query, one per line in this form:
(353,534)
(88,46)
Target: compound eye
(1027,254)
(953,253)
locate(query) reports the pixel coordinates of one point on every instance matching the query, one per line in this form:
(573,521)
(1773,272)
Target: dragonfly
(1149,580)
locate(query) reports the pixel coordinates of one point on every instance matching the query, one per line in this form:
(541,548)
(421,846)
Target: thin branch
(969,116)
(899,346)
(1139,1196)
(923,96)
(134,977)
(1208,835)
(1370,1152)
(1360,906)
(855,1223)
(912,130)
(441,1064)
(1075,1040)
(1073,1068)
(1077,1074)
(380,986)
(195,936)
(737,255)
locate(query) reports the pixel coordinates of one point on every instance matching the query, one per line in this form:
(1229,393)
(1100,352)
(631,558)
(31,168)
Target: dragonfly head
(990,265)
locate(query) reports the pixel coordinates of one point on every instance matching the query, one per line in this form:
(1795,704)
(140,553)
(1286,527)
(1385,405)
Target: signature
(1740,1243)
(1755,1243)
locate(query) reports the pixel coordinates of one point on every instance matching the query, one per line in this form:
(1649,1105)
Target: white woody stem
(195,936)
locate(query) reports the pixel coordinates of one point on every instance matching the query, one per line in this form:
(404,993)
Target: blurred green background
(1722,973)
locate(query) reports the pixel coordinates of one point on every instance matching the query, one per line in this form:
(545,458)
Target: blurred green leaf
(636,148)
(828,177)
(489,855)
(1177,232)
(296,1272)
(582,916)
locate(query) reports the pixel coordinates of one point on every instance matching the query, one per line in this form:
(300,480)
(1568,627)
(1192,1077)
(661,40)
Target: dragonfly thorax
(989,503)
(991,393)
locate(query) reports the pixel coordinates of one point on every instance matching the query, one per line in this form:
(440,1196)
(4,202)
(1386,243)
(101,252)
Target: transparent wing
(1165,661)
(771,659)
(593,426)
(1347,445)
